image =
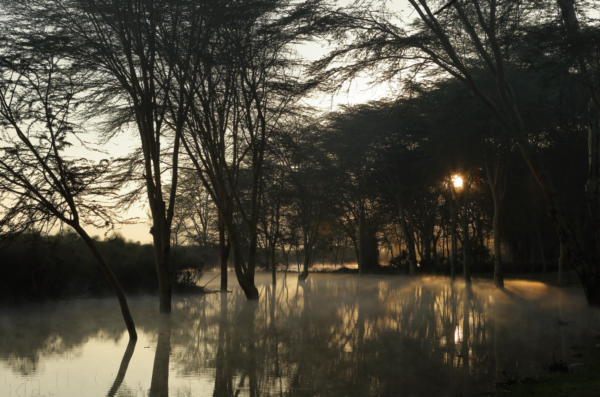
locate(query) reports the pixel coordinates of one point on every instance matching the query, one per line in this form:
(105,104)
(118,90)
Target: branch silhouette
(444,7)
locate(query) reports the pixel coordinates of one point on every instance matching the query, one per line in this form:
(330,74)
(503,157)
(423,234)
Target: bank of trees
(490,131)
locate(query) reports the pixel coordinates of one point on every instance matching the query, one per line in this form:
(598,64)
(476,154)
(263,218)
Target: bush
(61,266)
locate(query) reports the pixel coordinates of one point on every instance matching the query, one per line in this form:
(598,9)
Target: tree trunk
(112,280)
(561,265)
(592,186)
(541,244)
(361,238)
(309,242)
(453,241)
(224,249)
(272,260)
(162,255)
(244,275)
(408,239)
(159,385)
(498,275)
(466,242)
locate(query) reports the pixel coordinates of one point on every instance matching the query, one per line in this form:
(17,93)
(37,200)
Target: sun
(457,181)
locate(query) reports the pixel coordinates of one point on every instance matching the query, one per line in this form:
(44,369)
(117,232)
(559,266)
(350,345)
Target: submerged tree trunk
(112,280)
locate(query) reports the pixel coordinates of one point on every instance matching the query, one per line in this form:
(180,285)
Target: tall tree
(40,185)
(243,92)
(127,47)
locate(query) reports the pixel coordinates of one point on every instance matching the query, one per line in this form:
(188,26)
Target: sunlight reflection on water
(335,335)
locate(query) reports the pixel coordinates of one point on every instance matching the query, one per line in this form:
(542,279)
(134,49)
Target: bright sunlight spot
(457,181)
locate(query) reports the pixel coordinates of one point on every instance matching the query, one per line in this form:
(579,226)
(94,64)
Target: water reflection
(328,336)
(123,368)
(160,370)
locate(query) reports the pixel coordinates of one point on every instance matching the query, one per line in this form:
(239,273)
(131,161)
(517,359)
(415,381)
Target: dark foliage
(61,267)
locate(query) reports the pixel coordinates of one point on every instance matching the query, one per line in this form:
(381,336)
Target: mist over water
(335,335)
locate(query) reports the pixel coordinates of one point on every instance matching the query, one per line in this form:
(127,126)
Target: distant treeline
(61,266)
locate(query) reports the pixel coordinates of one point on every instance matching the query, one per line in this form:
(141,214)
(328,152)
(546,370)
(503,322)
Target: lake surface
(335,335)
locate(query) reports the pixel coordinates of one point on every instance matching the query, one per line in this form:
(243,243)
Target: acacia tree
(459,40)
(39,184)
(242,95)
(126,47)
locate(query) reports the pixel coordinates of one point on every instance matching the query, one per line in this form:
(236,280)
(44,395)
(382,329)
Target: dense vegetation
(61,267)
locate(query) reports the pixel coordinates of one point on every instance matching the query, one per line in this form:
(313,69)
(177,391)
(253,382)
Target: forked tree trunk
(309,242)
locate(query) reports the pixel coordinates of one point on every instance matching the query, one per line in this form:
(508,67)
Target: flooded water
(335,335)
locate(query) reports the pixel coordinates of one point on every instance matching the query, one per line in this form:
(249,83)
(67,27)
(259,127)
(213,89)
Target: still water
(335,335)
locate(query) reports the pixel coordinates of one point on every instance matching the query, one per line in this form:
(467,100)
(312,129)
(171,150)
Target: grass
(585,383)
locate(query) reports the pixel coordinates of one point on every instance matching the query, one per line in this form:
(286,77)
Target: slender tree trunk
(561,265)
(496,222)
(272,260)
(224,249)
(453,241)
(466,243)
(498,275)
(592,186)
(112,280)
(361,238)
(541,245)
(408,239)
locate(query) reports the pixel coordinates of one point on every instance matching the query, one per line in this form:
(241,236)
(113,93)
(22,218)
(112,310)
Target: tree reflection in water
(159,387)
(123,368)
(328,336)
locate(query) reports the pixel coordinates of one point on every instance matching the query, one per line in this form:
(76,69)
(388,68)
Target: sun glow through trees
(457,181)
